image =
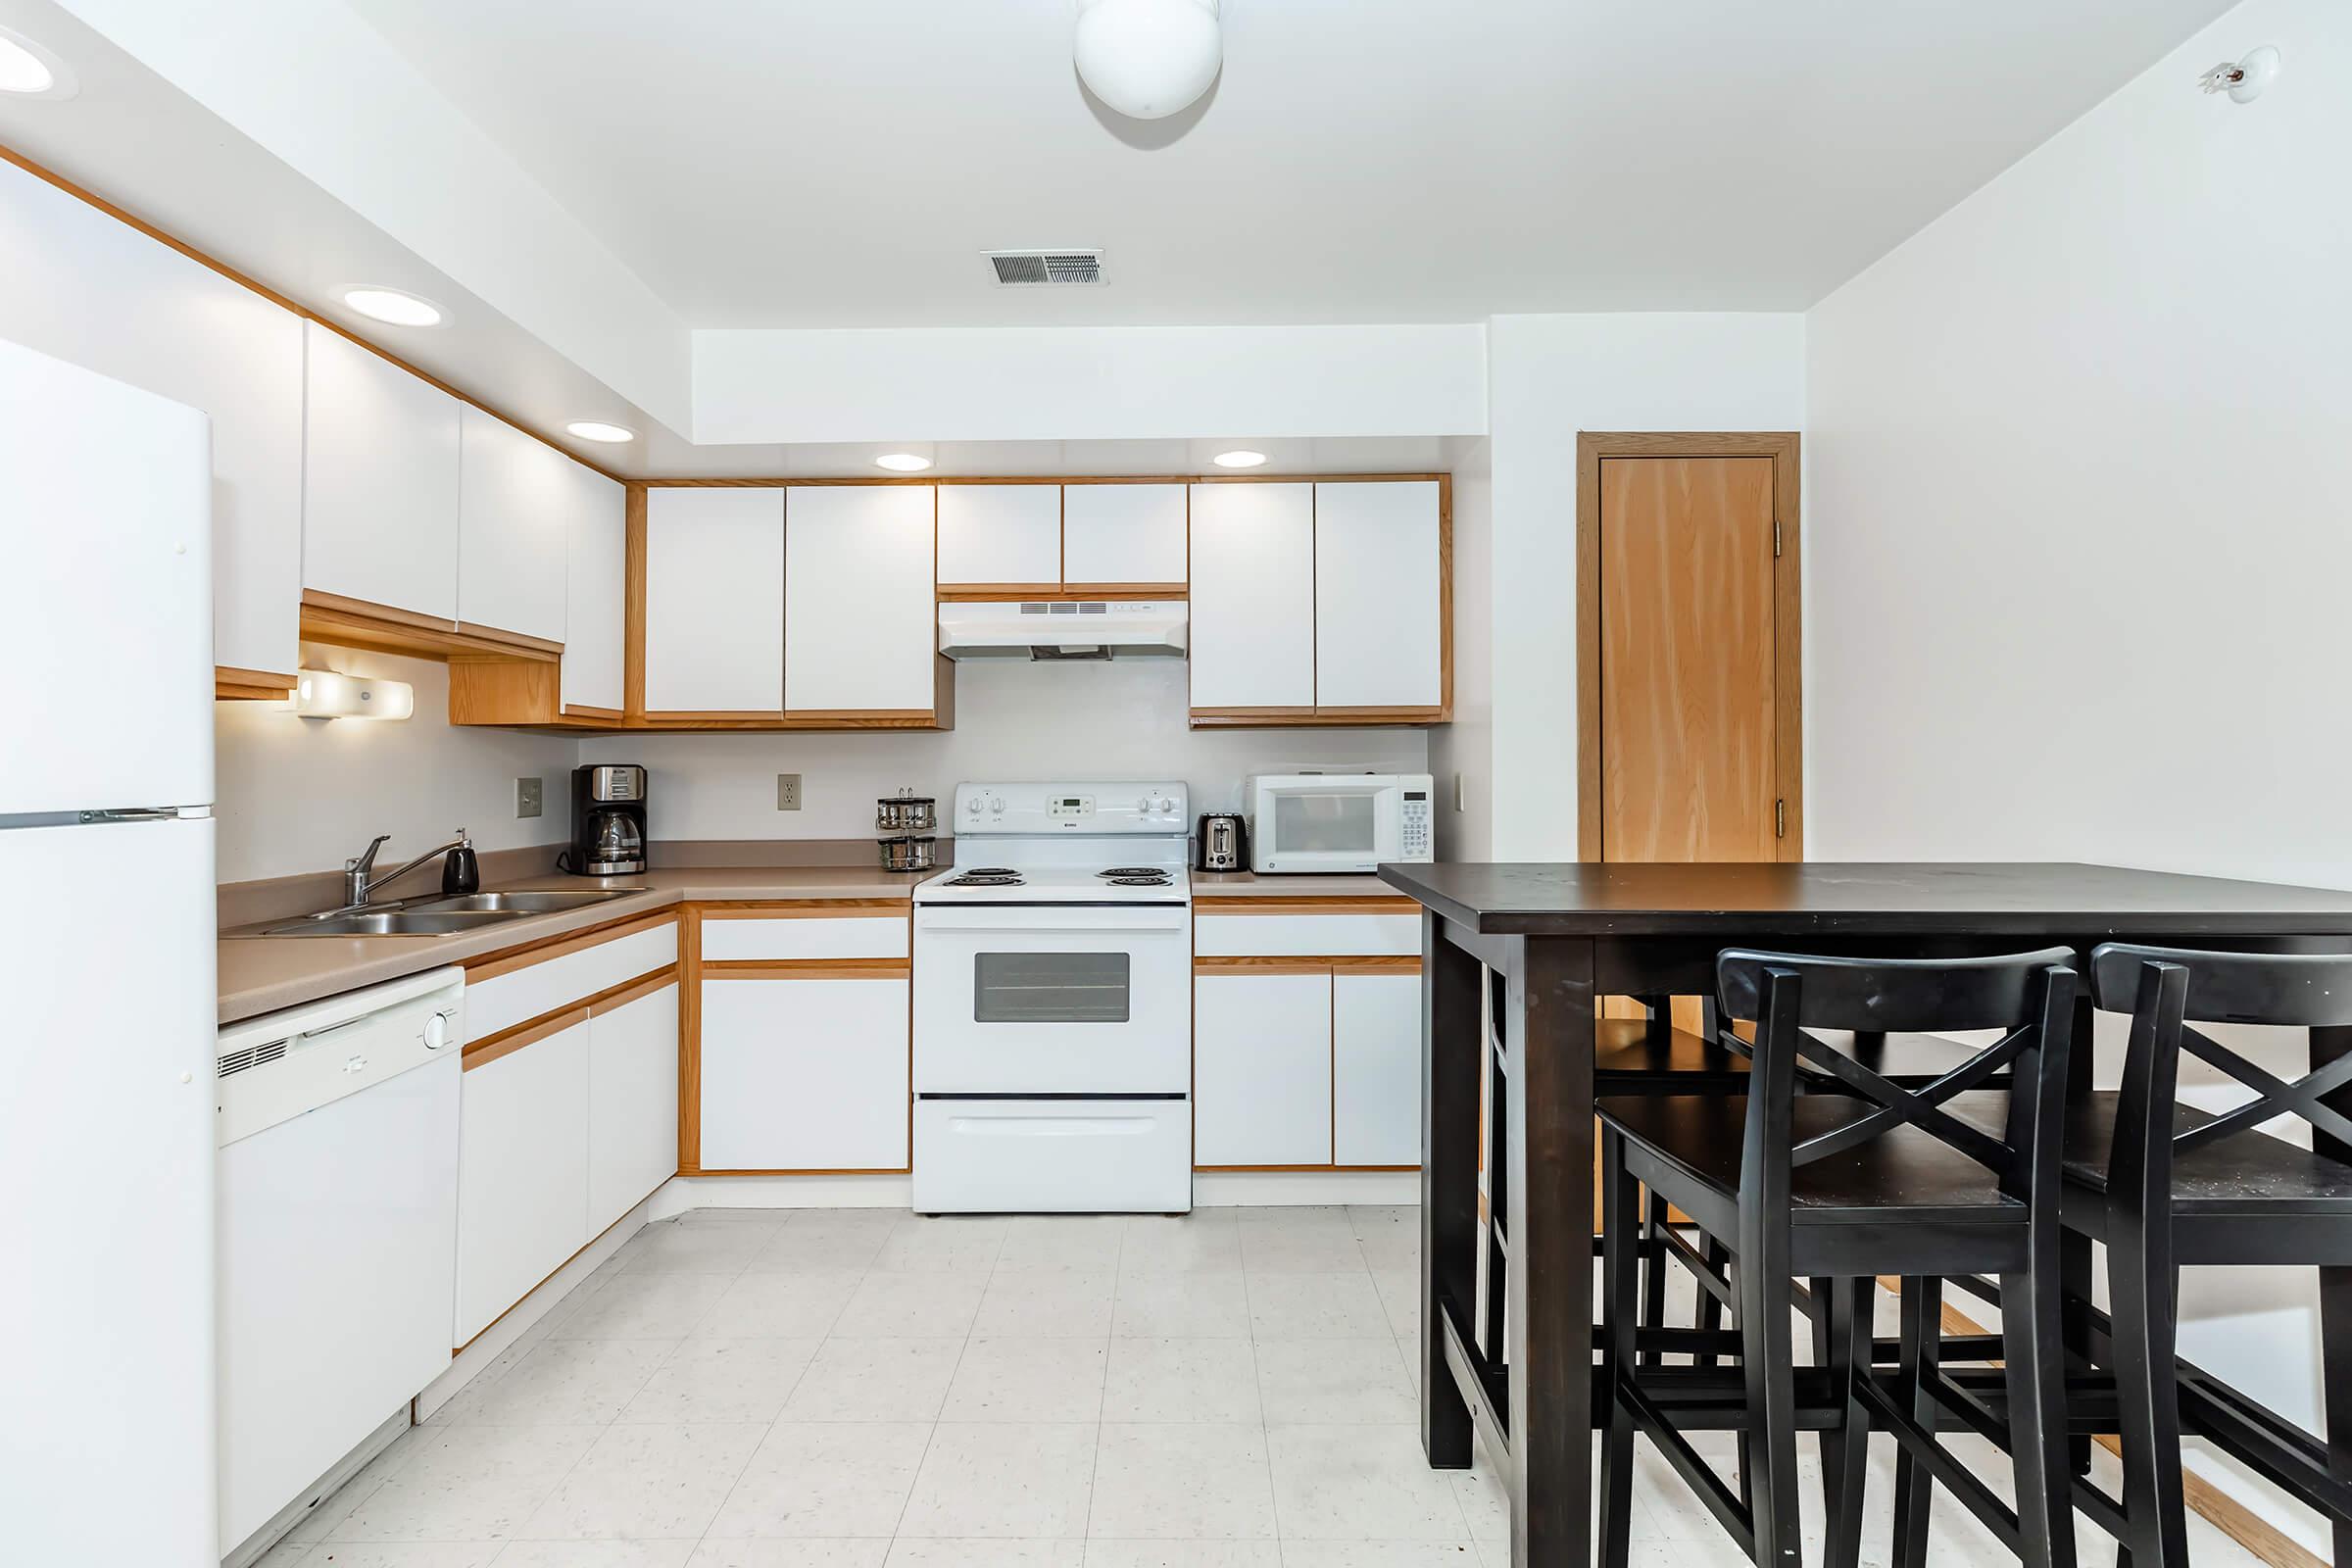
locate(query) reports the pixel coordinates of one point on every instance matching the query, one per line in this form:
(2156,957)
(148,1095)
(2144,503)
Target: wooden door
(1688,769)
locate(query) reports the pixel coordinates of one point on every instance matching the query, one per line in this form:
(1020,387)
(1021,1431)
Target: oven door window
(1326,824)
(1049,988)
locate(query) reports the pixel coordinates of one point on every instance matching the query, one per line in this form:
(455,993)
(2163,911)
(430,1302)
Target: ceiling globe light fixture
(1149,59)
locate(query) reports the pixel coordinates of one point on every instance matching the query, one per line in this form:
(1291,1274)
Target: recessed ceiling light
(1240,459)
(902,463)
(599,430)
(29,70)
(393,307)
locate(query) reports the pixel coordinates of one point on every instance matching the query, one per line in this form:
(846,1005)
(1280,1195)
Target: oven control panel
(1141,806)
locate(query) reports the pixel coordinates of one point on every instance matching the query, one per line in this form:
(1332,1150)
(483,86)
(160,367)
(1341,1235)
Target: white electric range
(1053,1003)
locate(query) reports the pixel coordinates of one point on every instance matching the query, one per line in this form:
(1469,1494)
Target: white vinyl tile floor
(863,1389)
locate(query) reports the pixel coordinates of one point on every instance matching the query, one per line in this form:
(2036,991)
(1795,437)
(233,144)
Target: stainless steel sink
(441,917)
(387,923)
(547,903)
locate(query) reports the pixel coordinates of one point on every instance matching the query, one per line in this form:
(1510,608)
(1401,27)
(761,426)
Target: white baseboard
(1216,1189)
(1211,1189)
(524,1315)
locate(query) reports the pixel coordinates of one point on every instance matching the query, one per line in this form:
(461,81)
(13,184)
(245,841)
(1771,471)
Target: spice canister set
(908,824)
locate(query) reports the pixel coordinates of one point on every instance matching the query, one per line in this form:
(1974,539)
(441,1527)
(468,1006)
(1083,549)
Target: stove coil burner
(1155,880)
(987,876)
(1125,875)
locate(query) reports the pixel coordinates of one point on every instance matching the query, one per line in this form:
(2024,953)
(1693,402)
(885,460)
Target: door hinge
(1779,819)
(1775,538)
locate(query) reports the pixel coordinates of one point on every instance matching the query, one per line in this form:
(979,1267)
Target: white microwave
(1336,822)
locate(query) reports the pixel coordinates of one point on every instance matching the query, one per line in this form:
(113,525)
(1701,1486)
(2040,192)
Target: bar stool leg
(1768,1357)
(2139,1287)
(1921,1352)
(1845,1449)
(1620,1256)
(1710,1311)
(2033,1351)
(1655,1263)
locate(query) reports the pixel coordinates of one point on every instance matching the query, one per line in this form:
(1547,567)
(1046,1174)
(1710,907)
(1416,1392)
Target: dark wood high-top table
(1561,935)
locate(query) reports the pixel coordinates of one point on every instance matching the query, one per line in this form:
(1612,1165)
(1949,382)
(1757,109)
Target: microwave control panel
(1414,826)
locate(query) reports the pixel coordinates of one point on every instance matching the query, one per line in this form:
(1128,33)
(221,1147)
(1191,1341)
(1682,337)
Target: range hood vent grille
(1017,269)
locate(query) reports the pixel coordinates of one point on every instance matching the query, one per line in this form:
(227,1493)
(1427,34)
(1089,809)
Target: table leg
(1454,1052)
(1549,1171)
(2335,1307)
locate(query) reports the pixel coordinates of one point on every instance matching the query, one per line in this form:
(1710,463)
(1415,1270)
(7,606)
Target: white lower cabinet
(1262,1068)
(632,1102)
(523,1172)
(1376,1068)
(807,1075)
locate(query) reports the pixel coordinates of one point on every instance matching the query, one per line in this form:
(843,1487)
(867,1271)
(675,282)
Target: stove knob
(1167,804)
(996,803)
(1144,806)
(971,808)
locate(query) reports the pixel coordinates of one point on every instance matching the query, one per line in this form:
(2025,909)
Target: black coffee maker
(607,820)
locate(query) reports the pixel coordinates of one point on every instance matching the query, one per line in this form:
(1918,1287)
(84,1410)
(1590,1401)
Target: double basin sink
(441,917)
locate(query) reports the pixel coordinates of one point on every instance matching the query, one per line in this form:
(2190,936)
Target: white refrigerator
(107,947)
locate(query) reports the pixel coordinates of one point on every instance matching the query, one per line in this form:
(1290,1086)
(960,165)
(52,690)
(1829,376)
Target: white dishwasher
(338,1224)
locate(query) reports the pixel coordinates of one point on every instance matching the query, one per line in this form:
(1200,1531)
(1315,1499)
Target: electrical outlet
(526,797)
(788,792)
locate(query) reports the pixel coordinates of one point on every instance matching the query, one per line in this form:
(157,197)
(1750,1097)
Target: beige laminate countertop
(1250,884)
(262,974)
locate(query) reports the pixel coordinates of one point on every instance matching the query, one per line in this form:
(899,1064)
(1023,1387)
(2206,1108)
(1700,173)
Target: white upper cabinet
(1128,534)
(860,612)
(86,288)
(1253,595)
(512,551)
(379,490)
(999,534)
(1378,595)
(595,509)
(714,601)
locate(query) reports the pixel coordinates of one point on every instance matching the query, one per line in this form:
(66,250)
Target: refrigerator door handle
(133,814)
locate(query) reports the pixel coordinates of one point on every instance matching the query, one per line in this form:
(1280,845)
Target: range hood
(1059,629)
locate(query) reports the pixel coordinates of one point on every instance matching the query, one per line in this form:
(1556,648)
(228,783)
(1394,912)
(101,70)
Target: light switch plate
(526,797)
(788,792)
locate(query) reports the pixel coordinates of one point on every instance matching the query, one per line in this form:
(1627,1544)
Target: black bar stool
(1842,1187)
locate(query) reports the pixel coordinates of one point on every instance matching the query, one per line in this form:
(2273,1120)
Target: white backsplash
(1014,720)
(296,795)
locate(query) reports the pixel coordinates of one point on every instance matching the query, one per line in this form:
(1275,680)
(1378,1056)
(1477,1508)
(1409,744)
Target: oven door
(1334,825)
(1044,999)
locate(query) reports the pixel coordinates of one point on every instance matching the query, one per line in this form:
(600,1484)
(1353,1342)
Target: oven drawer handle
(1054,1126)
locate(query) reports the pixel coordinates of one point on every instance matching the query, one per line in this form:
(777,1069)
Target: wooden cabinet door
(715,602)
(1127,536)
(632,1102)
(1378,595)
(805,1075)
(861,604)
(84,287)
(596,596)
(513,551)
(1376,1068)
(379,483)
(1006,535)
(523,1172)
(1252,599)
(1262,1068)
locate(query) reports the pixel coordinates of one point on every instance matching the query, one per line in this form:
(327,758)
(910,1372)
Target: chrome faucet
(358,882)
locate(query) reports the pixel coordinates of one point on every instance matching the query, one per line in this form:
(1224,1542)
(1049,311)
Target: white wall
(2078,546)
(1088,383)
(1463,753)
(1551,376)
(1014,720)
(305,793)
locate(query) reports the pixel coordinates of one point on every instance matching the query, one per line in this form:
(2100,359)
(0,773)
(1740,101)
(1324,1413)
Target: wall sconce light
(326,694)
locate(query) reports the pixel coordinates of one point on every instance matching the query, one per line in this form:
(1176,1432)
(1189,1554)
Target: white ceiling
(844,163)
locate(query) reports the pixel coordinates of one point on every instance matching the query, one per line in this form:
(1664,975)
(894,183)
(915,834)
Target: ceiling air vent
(1022,268)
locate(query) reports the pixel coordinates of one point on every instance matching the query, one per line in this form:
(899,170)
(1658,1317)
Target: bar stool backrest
(2029,996)
(2167,990)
